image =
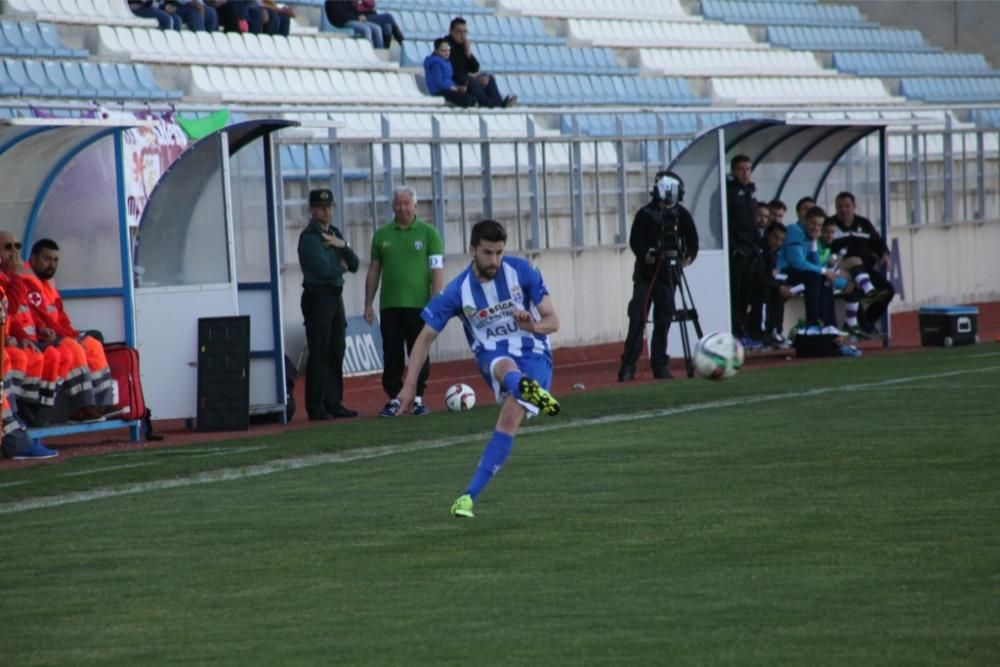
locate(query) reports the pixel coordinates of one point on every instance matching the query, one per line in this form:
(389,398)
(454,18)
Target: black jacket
(339,13)
(861,241)
(742,209)
(649,228)
(461,64)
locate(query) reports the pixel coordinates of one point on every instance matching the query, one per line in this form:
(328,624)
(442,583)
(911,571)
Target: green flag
(196,128)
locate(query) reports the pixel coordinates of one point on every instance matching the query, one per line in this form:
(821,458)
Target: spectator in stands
(777,209)
(345,14)
(151,9)
(439,78)
(482,86)
(802,207)
(799,259)
(279,18)
(390,29)
(763,218)
(55,324)
(196,14)
(771,290)
(857,237)
(744,244)
(407,257)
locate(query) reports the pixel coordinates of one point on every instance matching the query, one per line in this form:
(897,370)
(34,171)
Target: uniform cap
(321,197)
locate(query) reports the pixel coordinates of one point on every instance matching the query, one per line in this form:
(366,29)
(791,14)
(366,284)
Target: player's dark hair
(43,244)
(845,195)
(458,20)
(487,230)
(777,205)
(814,212)
(775,227)
(802,201)
(739,159)
(761,204)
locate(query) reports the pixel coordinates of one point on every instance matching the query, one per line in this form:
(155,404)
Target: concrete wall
(955,25)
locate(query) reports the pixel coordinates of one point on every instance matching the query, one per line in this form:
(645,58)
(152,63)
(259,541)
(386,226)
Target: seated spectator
(279,21)
(802,207)
(345,14)
(390,29)
(777,209)
(150,9)
(799,259)
(242,16)
(762,218)
(482,86)
(864,255)
(438,76)
(195,14)
(771,290)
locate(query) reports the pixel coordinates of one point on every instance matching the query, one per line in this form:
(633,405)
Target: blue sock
(494,455)
(511,382)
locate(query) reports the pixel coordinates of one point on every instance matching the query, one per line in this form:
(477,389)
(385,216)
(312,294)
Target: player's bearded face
(486,258)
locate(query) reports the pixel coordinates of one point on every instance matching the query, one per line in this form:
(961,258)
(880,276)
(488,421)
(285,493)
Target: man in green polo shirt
(408,258)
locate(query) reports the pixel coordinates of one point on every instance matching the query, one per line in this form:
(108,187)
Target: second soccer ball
(460,397)
(718,356)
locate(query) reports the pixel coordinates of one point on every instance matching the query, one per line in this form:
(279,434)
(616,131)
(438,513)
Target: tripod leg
(694,311)
(678,283)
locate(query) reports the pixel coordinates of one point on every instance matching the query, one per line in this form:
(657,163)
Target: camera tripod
(684,311)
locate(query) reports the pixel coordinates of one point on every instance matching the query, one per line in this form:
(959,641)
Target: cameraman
(664,240)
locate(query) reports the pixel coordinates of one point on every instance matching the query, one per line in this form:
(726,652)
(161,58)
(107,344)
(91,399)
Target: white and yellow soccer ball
(718,356)
(460,397)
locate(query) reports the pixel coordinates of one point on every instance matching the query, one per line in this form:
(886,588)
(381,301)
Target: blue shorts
(535,366)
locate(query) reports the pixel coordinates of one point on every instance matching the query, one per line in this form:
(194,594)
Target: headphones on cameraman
(655,192)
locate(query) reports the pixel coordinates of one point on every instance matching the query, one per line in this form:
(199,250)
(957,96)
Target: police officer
(324,257)
(664,240)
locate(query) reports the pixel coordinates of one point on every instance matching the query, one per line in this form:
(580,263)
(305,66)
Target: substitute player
(507,315)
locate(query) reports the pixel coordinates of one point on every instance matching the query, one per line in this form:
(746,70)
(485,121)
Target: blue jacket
(438,73)
(798,252)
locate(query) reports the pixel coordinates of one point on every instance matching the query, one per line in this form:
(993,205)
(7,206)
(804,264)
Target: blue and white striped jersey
(487,309)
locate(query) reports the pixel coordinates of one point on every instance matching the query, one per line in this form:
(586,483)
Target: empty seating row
(305,86)
(800,90)
(874,63)
(80,80)
(529,58)
(94,12)
(664,10)
(660,34)
(846,39)
(952,89)
(646,124)
(453,123)
(221,48)
(986,118)
(730,62)
(453,7)
(572,89)
(27,39)
(482,27)
(780,13)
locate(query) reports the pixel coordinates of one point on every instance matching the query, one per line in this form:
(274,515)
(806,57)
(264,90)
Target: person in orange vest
(24,363)
(93,394)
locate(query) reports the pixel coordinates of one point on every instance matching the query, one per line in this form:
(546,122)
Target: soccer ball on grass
(460,397)
(718,356)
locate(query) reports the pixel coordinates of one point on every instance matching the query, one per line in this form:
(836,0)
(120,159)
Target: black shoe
(321,417)
(626,372)
(340,412)
(662,373)
(32,415)
(397,34)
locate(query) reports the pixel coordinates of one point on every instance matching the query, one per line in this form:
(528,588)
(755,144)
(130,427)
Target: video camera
(667,193)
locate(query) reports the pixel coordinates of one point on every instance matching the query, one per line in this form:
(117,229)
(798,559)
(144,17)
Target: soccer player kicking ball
(507,315)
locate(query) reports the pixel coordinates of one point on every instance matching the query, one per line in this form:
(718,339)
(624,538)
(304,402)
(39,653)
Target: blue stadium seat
(111,73)
(57,77)
(869,63)
(8,86)
(35,73)
(90,74)
(14,39)
(50,36)
(146,80)
(846,39)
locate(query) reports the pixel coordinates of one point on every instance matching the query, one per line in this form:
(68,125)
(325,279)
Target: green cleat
(533,393)
(462,507)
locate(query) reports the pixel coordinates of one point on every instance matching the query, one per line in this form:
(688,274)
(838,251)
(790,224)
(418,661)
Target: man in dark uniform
(324,257)
(663,231)
(865,255)
(744,244)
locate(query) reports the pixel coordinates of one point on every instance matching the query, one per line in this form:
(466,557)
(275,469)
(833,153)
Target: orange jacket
(47,306)
(20,320)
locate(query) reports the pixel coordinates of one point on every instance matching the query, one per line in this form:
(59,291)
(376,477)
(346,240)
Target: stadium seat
(730,62)
(658,34)
(846,39)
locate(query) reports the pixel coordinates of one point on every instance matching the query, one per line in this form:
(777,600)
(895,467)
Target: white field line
(272,467)
(985,354)
(5,485)
(81,473)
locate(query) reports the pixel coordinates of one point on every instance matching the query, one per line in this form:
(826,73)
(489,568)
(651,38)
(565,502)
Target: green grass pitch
(843,512)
